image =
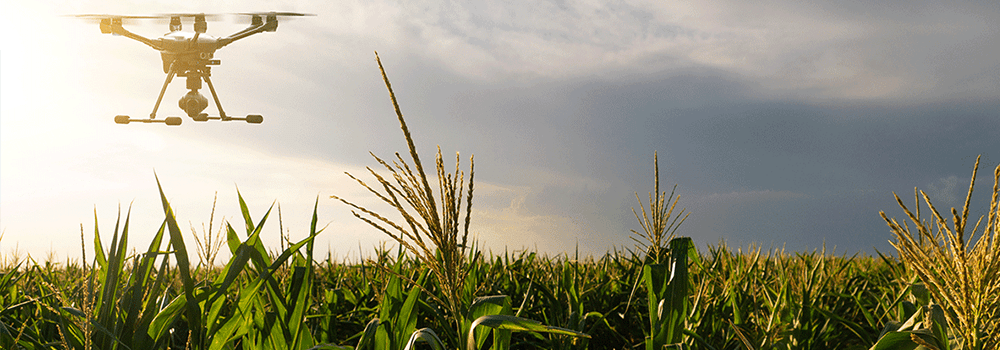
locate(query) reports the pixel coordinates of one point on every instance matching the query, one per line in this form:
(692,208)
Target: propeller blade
(273,13)
(248,17)
(208,16)
(126,19)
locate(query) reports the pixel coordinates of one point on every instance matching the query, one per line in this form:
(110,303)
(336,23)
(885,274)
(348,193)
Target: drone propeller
(103,16)
(125,19)
(208,16)
(163,18)
(273,13)
(257,18)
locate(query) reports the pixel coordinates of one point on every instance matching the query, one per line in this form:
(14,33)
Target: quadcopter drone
(190,55)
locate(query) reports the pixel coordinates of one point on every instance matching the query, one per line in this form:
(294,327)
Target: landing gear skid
(174,121)
(192,103)
(252,118)
(124,119)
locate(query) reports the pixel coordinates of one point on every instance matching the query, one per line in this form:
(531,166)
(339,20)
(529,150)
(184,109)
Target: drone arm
(243,33)
(117,29)
(256,27)
(240,35)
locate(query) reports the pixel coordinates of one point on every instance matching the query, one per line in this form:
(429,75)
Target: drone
(190,55)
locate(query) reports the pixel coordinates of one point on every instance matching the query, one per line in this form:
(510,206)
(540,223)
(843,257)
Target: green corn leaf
(655,279)
(313,232)
(273,289)
(74,311)
(184,267)
(895,341)
(6,339)
(425,335)
(107,302)
(253,235)
(229,274)
(302,294)
(243,318)
(678,288)
(855,328)
(74,336)
(245,211)
(734,304)
(408,313)
(330,347)
(139,312)
(515,324)
(667,292)
(367,340)
(109,336)
(486,306)
(152,309)
(296,301)
(227,332)
(869,318)
(383,337)
(158,327)
(98,247)
(490,305)
(939,327)
(232,239)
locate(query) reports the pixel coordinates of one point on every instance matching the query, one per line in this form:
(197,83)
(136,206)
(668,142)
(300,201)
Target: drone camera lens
(193,103)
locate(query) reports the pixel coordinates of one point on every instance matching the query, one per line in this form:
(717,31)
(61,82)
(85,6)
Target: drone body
(190,54)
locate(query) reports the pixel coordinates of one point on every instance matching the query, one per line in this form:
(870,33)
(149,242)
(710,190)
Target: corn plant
(136,307)
(660,225)
(435,233)
(963,280)
(429,232)
(738,299)
(564,302)
(666,283)
(397,319)
(118,311)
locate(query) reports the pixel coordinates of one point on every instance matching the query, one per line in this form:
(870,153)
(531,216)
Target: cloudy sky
(783,122)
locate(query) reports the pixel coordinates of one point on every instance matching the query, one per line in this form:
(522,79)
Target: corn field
(438,290)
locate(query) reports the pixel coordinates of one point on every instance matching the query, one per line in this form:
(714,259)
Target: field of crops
(767,299)
(939,290)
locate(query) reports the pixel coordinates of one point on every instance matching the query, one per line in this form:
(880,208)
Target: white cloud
(946,193)
(505,222)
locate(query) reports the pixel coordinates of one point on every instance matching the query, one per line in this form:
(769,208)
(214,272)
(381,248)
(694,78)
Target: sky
(782,123)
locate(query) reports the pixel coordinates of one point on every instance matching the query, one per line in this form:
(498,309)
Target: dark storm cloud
(787,171)
(757,170)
